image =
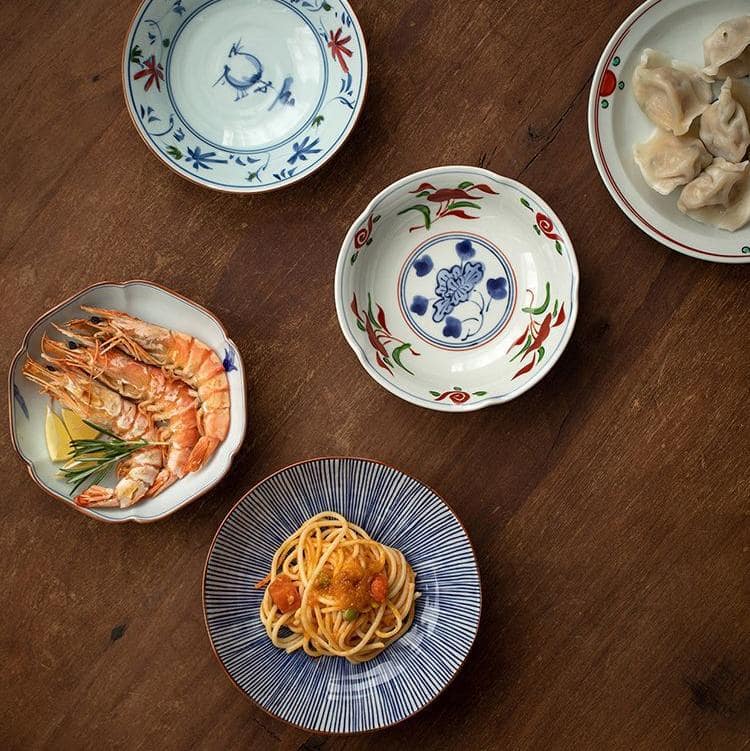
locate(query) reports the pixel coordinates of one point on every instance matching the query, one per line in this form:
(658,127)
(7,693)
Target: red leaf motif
(449,194)
(355,307)
(380,362)
(560,317)
(525,369)
(485,189)
(376,343)
(460,213)
(521,339)
(544,330)
(381,320)
(423,186)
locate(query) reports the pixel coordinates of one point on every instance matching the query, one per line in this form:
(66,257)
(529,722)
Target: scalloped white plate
(151,302)
(457,288)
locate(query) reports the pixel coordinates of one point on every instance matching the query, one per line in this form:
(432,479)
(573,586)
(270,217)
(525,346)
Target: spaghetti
(332,590)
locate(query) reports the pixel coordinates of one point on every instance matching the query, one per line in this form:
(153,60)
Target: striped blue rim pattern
(330,695)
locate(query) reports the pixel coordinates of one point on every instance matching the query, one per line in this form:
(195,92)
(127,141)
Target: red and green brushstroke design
(531,342)
(442,202)
(389,350)
(456,395)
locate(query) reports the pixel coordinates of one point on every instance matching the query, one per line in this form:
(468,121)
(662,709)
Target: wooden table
(608,506)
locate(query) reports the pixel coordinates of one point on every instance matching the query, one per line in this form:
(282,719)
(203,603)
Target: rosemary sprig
(95,457)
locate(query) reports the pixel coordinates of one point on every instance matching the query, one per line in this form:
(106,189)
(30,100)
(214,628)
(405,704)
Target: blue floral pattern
(18,396)
(454,286)
(199,159)
(229,361)
(303,150)
(157,29)
(463,298)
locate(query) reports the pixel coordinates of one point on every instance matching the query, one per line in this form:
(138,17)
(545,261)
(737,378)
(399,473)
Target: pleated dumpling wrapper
(727,50)
(720,196)
(672,94)
(724,127)
(667,161)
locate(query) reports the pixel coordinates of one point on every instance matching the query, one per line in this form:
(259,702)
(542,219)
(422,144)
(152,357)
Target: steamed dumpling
(740,88)
(727,50)
(714,187)
(667,161)
(720,196)
(724,128)
(671,94)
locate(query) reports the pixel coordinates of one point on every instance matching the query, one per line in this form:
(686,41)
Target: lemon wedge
(58,439)
(77,428)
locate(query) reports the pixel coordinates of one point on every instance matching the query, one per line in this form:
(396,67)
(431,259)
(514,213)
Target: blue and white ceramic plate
(457,288)
(245,95)
(329,694)
(151,302)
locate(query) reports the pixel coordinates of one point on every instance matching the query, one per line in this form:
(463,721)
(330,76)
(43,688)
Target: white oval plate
(457,288)
(151,302)
(244,96)
(616,123)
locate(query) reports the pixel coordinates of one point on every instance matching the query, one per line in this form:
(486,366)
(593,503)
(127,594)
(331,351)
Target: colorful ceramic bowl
(244,95)
(457,288)
(616,122)
(27,406)
(330,695)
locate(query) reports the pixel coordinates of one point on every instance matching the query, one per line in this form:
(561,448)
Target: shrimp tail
(201,452)
(97,497)
(163,480)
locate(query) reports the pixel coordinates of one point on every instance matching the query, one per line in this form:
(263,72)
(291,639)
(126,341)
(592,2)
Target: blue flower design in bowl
(453,289)
(449,292)
(245,97)
(455,286)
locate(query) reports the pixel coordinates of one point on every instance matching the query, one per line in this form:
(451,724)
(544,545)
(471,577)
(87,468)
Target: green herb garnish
(95,457)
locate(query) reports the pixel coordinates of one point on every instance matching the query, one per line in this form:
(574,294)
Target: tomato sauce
(350,586)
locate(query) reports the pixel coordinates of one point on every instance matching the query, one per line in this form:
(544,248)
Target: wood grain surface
(608,506)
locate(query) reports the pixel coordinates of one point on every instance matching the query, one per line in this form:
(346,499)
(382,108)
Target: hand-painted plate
(457,288)
(245,96)
(328,694)
(27,406)
(616,123)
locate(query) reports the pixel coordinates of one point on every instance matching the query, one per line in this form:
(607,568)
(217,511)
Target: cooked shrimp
(183,355)
(168,400)
(102,406)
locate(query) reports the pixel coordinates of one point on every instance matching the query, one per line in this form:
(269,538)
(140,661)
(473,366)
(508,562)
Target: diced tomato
(379,587)
(284,594)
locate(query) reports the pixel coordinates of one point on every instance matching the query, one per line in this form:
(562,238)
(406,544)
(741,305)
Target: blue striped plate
(330,695)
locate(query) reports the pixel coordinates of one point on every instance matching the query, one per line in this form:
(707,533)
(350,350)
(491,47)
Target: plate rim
(23,349)
(342,307)
(249,189)
(334,458)
(620,200)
